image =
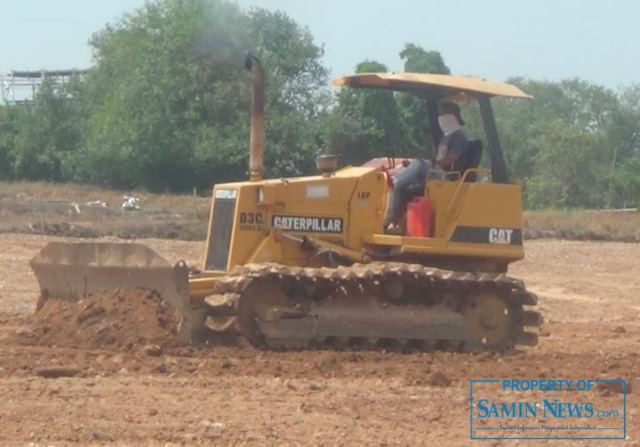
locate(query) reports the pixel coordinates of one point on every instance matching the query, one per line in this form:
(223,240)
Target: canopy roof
(437,84)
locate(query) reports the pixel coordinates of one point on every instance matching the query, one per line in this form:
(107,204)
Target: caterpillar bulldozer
(303,262)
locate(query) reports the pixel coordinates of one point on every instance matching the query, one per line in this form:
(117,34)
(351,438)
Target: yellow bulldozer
(304,262)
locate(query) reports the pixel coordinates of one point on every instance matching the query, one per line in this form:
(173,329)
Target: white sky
(544,39)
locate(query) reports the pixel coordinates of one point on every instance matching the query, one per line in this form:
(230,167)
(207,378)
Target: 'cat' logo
(500,236)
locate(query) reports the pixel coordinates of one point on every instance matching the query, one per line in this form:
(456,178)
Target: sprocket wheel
(491,320)
(255,300)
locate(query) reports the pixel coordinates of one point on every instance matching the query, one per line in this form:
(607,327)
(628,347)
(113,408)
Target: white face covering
(448,123)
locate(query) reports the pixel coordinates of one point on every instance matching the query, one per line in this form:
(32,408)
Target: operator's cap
(448,107)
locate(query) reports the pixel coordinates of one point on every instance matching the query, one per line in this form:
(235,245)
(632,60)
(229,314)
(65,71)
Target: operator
(451,146)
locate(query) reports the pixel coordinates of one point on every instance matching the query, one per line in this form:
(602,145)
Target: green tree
(152,89)
(9,128)
(521,123)
(171,96)
(571,168)
(627,182)
(365,124)
(418,60)
(49,132)
(297,98)
(412,109)
(578,106)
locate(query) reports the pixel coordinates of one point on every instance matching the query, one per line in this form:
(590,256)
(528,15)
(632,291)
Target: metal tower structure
(20,86)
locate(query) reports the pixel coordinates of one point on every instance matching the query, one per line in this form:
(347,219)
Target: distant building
(19,87)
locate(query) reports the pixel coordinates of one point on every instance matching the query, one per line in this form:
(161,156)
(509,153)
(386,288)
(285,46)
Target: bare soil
(57,392)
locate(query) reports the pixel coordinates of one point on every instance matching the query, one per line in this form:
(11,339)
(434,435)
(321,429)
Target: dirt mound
(122,320)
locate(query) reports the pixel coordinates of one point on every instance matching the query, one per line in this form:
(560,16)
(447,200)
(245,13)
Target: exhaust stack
(256,154)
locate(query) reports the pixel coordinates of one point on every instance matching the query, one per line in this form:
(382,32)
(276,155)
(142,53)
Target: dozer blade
(74,270)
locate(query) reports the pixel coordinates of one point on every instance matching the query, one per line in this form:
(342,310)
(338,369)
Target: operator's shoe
(393,229)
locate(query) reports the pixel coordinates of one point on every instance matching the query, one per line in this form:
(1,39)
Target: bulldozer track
(391,305)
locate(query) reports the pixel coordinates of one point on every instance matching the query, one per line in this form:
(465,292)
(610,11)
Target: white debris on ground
(97,204)
(75,207)
(131,203)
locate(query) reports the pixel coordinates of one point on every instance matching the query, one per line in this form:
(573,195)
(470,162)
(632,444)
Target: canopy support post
(498,165)
(435,134)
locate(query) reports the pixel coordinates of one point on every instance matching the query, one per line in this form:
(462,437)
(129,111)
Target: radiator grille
(222,227)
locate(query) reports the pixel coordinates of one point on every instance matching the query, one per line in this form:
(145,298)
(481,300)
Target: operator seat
(469,159)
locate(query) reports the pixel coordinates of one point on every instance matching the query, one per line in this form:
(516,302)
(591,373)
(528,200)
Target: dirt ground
(589,294)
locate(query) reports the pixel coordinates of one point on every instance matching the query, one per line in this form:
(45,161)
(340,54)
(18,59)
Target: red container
(420,217)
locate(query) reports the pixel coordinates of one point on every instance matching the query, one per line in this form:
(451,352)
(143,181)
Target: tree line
(166,108)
